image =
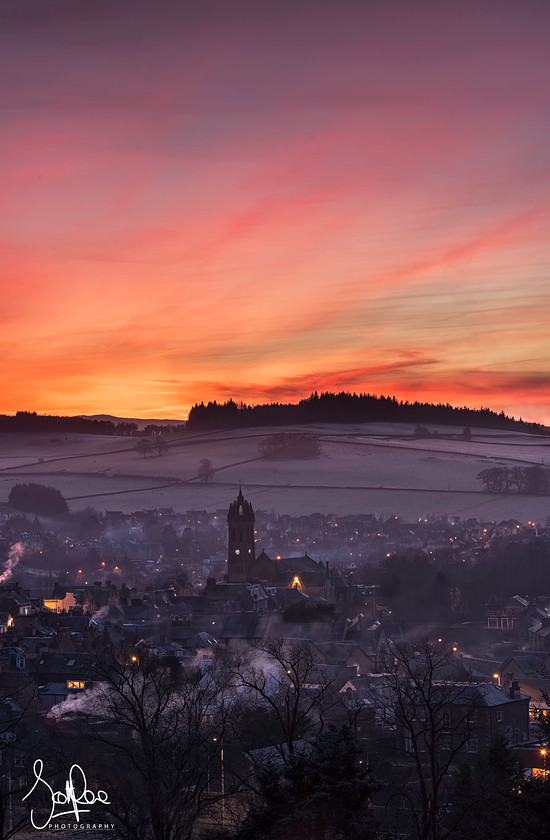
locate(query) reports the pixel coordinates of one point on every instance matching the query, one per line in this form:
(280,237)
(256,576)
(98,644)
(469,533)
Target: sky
(258,199)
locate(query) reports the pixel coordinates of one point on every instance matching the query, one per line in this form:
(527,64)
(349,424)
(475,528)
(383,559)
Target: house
(468,717)
(532,668)
(6,621)
(12,658)
(59,675)
(504,613)
(16,601)
(347,654)
(539,634)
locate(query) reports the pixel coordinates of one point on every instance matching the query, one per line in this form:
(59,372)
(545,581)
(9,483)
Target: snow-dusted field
(373,468)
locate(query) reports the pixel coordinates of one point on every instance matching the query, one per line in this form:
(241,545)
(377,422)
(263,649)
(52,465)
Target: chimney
(514,689)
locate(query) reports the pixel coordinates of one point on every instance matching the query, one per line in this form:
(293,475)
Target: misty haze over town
(395,662)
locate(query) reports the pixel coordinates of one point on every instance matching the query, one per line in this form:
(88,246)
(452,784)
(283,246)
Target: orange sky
(257,200)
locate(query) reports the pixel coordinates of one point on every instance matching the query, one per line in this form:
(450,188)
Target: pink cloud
(276,200)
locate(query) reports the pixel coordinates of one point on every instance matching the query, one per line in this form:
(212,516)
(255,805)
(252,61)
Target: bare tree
(434,717)
(160,444)
(206,470)
(155,729)
(22,737)
(285,677)
(144,446)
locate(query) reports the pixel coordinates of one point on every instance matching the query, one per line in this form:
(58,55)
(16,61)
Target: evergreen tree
(487,798)
(322,792)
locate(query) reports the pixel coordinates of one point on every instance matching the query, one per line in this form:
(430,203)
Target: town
(270,639)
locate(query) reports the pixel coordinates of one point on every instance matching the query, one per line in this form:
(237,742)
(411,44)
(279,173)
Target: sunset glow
(256,200)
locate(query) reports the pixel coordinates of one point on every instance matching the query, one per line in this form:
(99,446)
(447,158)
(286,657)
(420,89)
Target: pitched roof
(479,694)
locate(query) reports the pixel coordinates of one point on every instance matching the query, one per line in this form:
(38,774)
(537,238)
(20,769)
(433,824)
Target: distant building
(241,552)
(472,716)
(304,574)
(504,614)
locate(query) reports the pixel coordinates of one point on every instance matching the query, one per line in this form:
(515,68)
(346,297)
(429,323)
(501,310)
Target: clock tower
(240,552)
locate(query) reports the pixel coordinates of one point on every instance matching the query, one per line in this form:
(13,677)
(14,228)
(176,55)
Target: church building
(303,573)
(241,548)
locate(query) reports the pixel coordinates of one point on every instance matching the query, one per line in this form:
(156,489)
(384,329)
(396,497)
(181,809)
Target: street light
(222,779)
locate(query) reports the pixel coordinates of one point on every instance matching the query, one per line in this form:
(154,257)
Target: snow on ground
(371,468)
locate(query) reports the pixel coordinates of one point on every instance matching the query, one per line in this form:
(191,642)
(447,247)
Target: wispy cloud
(258,201)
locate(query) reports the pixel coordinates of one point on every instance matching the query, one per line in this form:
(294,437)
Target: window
(499,715)
(75,684)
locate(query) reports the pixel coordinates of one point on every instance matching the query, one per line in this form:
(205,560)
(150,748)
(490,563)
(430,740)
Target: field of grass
(371,468)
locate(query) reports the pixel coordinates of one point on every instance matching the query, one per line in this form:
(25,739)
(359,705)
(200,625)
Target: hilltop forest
(317,408)
(346,408)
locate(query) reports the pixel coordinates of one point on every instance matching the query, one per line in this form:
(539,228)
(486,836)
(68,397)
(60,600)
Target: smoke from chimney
(14,556)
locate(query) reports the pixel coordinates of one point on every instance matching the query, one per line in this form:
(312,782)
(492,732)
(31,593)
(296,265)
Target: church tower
(240,553)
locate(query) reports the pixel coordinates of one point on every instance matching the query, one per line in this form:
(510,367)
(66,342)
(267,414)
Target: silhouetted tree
(285,676)
(344,408)
(536,480)
(206,470)
(487,795)
(286,445)
(323,791)
(160,444)
(126,429)
(154,730)
(144,446)
(38,498)
(421,683)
